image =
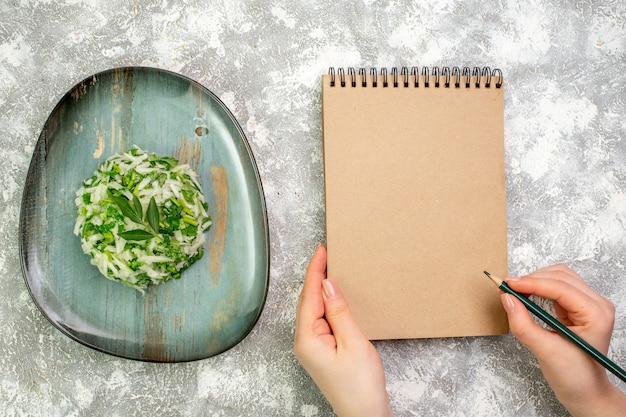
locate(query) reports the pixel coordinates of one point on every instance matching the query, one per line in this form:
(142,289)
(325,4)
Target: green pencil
(561,328)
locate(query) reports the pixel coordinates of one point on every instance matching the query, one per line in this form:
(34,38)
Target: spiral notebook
(415,198)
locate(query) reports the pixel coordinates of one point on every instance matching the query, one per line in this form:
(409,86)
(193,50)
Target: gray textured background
(565,128)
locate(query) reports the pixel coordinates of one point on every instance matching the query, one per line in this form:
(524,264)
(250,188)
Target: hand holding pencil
(579,382)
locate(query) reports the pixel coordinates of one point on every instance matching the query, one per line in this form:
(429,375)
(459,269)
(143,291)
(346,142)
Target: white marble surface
(565,131)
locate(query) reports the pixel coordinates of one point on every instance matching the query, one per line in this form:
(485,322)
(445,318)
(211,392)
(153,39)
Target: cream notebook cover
(415,198)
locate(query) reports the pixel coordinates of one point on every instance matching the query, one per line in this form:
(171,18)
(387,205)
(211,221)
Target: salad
(141,218)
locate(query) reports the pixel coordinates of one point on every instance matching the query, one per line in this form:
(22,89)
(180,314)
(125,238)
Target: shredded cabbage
(142,218)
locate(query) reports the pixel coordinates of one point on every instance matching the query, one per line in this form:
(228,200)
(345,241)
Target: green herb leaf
(152,215)
(136,234)
(190,230)
(123,203)
(138,208)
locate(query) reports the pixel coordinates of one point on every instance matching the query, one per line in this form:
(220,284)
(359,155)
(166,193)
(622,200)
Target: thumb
(338,314)
(522,325)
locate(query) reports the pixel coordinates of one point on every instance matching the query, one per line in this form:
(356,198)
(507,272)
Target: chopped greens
(142,218)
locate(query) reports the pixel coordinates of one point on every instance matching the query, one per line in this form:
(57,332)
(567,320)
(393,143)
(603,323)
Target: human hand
(580,383)
(330,346)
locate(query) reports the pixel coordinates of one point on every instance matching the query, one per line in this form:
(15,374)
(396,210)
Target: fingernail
(513,278)
(328,289)
(507,303)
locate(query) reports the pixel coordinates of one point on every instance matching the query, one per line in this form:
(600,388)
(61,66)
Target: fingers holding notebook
(332,349)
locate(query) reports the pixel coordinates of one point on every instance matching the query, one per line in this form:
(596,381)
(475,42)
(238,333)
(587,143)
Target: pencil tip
(495,280)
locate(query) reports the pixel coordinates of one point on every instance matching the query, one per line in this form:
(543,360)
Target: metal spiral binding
(479,77)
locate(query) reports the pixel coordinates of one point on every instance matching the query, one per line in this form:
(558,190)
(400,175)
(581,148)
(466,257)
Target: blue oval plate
(218,299)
